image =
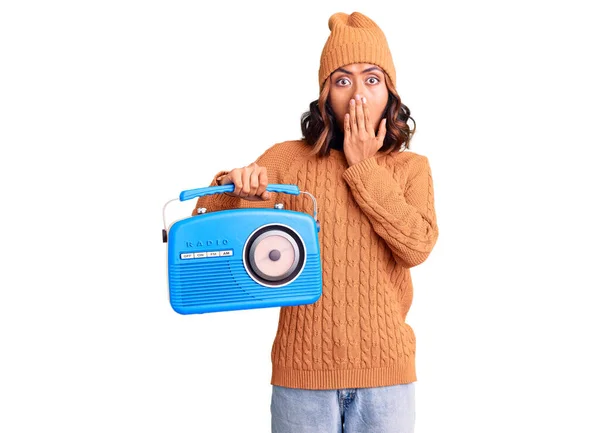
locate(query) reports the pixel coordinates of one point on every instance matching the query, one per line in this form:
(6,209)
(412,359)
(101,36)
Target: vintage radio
(242,258)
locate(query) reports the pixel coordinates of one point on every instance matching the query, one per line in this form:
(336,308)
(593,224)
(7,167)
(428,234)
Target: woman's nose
(359,90)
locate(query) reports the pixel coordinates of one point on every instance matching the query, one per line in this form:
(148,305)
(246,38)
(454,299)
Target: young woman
(347,362)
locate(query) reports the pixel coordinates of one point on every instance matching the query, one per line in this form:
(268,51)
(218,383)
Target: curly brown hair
(320,130)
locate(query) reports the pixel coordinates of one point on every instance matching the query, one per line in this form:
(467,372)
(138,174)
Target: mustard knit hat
(354,38)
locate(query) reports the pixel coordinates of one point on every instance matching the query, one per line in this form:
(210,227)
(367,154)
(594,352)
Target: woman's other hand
(360,140)
(250,182)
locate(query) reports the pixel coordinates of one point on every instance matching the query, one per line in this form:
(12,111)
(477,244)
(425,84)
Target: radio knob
(279,206)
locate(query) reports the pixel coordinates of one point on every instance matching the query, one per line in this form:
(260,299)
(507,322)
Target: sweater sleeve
(217,202)
(406,220)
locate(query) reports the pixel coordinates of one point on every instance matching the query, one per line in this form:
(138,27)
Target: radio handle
(209,190)
(272,187)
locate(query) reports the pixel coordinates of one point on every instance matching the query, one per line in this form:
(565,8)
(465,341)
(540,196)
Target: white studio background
(109,109)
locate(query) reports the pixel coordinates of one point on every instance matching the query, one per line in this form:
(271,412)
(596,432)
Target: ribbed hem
(339,379)
(355,171)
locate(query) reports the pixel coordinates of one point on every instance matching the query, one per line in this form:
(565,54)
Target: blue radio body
(243,258)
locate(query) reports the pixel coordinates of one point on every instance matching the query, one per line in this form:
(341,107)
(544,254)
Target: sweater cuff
(218,175)
(354,172)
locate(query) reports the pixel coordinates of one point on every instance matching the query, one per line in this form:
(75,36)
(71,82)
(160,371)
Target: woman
(347,362)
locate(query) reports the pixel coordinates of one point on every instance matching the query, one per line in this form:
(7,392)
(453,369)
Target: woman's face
(358,80)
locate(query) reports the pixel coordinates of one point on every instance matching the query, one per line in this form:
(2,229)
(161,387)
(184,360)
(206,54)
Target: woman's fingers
(352,111)
(254,182)
(236,178)
(250,182)
(360,115)
(347,129)
(368,125)
(245,189)
(263,181)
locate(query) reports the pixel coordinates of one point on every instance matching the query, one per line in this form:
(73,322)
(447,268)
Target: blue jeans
(386,409)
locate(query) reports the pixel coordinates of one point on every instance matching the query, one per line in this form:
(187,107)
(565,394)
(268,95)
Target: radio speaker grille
(206,285)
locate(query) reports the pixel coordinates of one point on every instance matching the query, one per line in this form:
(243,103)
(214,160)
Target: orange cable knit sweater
(377,221)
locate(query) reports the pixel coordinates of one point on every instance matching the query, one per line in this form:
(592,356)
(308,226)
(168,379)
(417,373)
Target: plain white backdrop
(109,109)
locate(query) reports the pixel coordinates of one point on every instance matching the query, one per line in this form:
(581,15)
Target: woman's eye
(342,79)
(373,78)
